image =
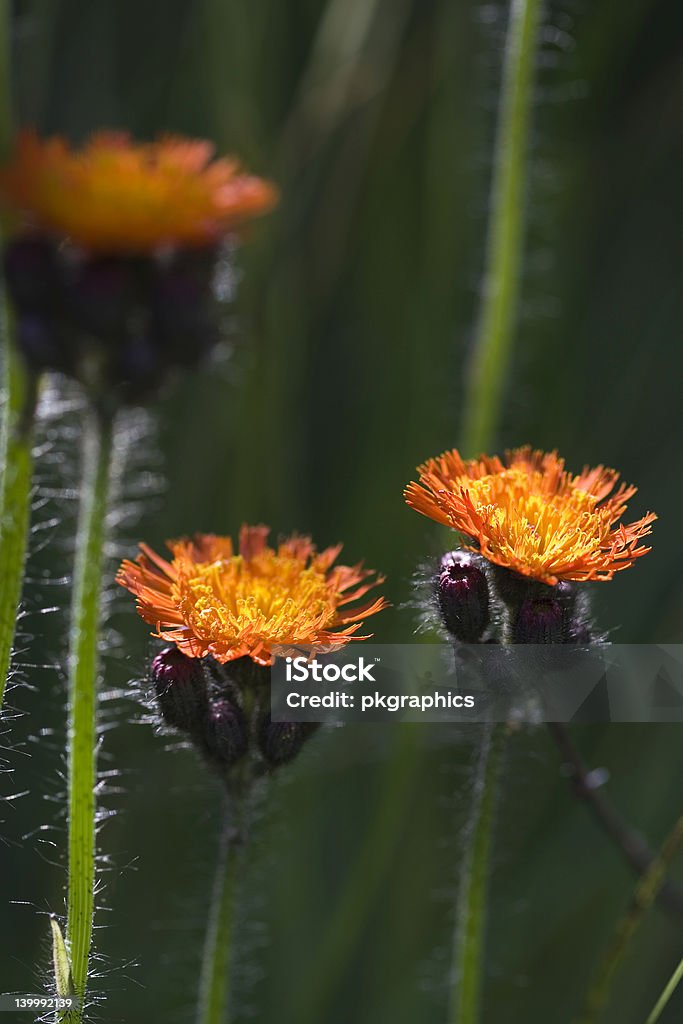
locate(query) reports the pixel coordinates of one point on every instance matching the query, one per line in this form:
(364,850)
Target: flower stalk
(83,684)
(214,981)
(16,433)
(471,911)
(16,455)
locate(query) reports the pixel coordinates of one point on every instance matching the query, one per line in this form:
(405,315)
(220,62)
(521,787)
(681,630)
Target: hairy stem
(643,898)
(635,850)
(16,433)
(502,271)
(83,685)
(470,927)
(16,455)
(214,982)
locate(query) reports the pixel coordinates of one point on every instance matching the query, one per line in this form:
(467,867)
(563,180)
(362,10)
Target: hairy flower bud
(226,732)
(280,742)
(183,306)
(180,689)
(103,295)
(463,596)
(541,620)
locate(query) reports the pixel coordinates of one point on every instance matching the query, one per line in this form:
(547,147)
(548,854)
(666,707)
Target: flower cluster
(531,531)
(229,613)
(113,254)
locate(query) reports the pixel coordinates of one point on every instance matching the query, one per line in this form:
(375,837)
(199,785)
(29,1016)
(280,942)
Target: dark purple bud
(180,689)
(41,342)
(541,620)
(226,733)
(280,742)
(463,596)
(184,307)
(32,274)
(104,294)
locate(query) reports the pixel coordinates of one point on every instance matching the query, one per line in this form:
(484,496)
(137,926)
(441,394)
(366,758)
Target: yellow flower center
(537,528)
(276,598)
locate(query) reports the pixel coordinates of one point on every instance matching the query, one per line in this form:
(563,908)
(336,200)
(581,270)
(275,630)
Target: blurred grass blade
(60,958)
(83,680)
(644,896)
(470,926)
(666,995)
(502,271)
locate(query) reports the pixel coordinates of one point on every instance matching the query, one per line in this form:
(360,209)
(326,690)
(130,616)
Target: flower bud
(103,296)
(226,732)
(541,620)
(180,688)
(463,596)
(183,307)
(31,273)
(280,742)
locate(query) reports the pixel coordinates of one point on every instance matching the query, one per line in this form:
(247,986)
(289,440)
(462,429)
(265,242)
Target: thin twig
(632,845)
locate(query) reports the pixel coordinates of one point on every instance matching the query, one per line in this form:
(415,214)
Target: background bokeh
(347,360)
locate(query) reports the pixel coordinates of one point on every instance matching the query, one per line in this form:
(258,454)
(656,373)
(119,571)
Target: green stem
(214,982)
(495,330)
(470,929)
(16,434)
(669,989)
(83,680)
(16,453)
(644,896)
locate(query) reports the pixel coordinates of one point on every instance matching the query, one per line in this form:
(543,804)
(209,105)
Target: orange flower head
(260,601)
(528,514)
(115,195)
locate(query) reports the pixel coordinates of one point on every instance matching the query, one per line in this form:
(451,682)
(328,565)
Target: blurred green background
(349,348)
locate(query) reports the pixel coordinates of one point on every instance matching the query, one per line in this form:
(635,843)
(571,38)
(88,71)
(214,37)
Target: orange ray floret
(115,195)
(259,601)
(528,514)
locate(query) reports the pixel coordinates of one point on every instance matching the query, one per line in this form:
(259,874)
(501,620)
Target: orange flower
(528,514)
(261,602)
(114,195)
